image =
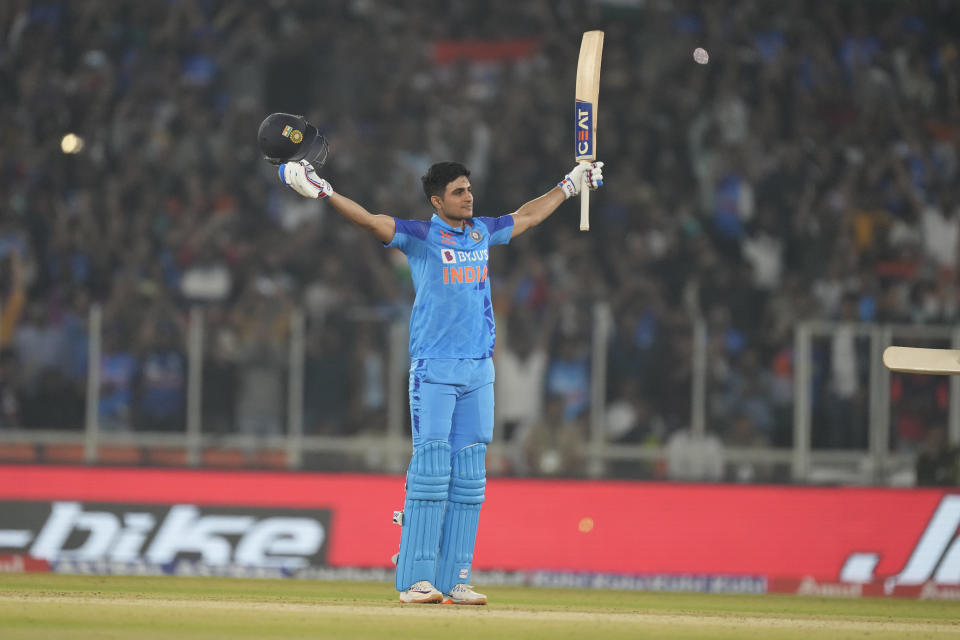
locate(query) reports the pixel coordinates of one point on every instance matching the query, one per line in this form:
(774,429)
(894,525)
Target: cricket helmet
(284,137)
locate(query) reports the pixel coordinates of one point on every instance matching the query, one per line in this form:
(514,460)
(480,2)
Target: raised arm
(536,211)
(539,209)
(381,226)
(301,177)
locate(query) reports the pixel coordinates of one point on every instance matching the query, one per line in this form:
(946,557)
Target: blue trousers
(451,400)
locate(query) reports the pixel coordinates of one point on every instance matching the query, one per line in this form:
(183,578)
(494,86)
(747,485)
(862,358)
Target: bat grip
(584,204)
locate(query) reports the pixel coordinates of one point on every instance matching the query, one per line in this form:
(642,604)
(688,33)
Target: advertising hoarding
(674,536)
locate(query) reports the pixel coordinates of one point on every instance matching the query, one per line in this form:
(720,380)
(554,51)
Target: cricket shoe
(464,594)
(421,593)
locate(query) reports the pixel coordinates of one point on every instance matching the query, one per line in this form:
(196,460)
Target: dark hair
(440,175)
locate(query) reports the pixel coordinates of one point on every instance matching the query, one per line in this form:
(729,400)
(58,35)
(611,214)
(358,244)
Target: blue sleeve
(408,234)
(500,229)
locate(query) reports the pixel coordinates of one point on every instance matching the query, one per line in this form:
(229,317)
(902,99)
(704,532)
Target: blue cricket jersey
(452,314)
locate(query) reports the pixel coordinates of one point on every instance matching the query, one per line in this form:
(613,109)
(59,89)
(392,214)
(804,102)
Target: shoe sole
(427,600)
(468,602)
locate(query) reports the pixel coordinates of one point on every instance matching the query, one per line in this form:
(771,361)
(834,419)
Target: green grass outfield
(155,608)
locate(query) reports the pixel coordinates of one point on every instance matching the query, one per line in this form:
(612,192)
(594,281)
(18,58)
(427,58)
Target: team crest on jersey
(475,235)
(449,256)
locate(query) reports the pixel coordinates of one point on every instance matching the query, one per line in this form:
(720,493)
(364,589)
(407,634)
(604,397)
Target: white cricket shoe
(421,593)
(464,594)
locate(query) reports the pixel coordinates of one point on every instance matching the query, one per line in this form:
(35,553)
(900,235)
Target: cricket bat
(585,112)
(919,360)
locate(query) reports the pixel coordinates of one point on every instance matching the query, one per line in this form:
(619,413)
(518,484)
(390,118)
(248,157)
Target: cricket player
(452,337)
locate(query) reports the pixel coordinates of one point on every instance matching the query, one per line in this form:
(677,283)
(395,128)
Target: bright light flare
(71,143)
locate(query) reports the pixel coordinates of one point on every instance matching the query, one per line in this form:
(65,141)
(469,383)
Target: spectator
(629,416)
(39,344)
(160,382)
(744,434)
(118,367)
(327,389)
(845,423)
(554,444)
(260,361)
(568,375)
(370,381)
(220,377)
(11,392)
(937,462)
(14,299)
(694,459)
(521,372)
(55,403)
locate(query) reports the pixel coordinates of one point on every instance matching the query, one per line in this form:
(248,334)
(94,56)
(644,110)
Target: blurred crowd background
(808,171)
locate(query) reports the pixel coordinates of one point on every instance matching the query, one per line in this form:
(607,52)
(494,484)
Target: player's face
(457,202)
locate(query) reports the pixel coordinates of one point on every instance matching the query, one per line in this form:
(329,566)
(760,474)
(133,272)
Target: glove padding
(572,181)
(302,178)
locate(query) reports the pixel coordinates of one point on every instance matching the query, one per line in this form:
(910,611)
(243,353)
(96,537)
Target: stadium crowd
(808,171)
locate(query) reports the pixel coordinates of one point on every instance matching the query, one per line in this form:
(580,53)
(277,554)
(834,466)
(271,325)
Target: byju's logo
(936,555)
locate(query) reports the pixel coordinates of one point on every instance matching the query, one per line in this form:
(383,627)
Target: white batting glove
(572,181)
(301,177)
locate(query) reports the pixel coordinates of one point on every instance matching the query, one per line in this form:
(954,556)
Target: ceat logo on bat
(449,256)
(584,128)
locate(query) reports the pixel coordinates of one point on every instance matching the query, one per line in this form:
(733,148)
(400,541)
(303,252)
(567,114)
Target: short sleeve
(408,234)
(500,228)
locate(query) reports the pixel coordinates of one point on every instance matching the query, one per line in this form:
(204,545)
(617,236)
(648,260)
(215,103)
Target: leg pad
(428,480)
(468,483)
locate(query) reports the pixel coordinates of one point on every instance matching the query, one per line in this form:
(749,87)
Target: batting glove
(301,177)
(572,181)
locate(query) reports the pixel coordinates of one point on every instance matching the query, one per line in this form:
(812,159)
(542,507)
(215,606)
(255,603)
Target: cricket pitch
(63,606)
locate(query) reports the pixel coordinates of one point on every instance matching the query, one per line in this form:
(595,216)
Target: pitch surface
(57,606)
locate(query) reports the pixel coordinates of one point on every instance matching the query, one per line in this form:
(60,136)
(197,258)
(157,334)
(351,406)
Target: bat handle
(584,204)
